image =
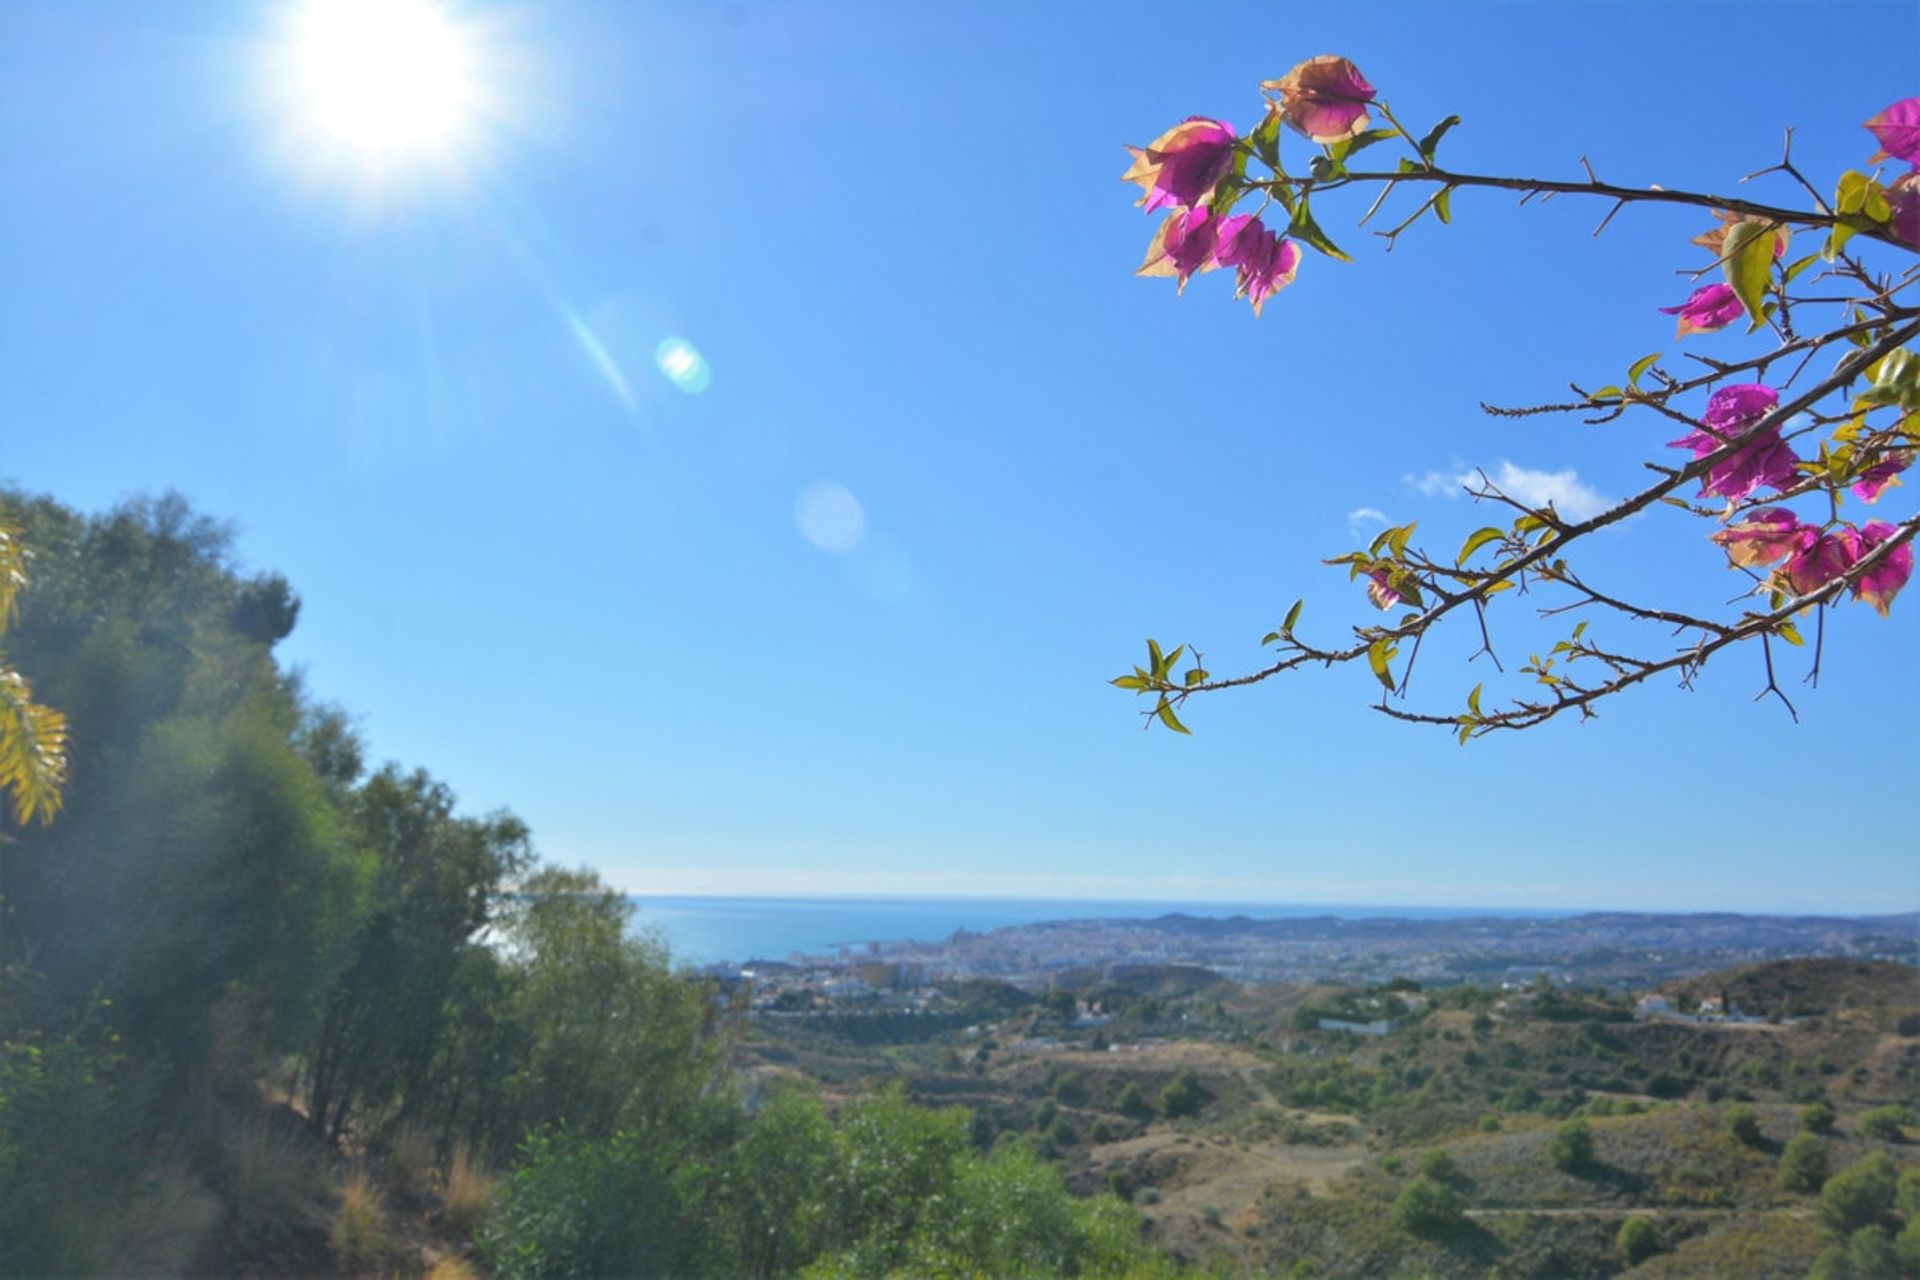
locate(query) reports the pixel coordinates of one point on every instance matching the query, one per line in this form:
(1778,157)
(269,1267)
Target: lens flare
(683,365)
(829,517)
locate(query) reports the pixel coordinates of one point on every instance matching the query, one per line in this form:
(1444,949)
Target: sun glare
(373,84)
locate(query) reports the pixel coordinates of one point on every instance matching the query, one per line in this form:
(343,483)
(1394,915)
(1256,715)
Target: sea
(714,930)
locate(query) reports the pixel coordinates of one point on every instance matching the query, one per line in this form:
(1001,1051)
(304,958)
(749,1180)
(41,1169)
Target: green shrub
(1906,1247)
(1638,1240)
(1571,1147)
(1906,1192)
(1044,1113)
(1743,1124)
(1427,1208)
(1439,1166)
(586,1208)
(1131,1101)
(1183,1096)
(1392,1163)
(1489,1123)
(1858,1196)
(1871,1255)
(1883,1123)
(1803,1165)
(1817,1117)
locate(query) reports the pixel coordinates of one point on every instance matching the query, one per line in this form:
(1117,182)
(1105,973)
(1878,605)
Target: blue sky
(896,235)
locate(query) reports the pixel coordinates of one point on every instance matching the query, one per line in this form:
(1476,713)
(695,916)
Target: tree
(1871,1255)
(1803,1164)
(33,738)
(1439,1166)
(1638,1240)
(1427,1208)
(1183,1096)
(1884,1123)
(1859,1196)
(1817,1117)
(1743,1124)
(1785,419)
(1571,1147)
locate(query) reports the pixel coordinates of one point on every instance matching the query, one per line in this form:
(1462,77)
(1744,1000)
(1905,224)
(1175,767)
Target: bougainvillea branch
(1756,447)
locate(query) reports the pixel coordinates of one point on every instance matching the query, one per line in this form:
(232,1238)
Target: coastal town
(1618,952)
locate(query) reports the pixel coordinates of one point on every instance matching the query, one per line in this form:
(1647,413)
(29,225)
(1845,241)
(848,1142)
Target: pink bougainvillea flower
(1765,459)
(1880,584)
(1380,589)
(1766,535)
(1904,198)
(1182,166)
(1265,264)
(1325,98)
(1818,563)
(1732,409)
(1875,479)
(1710,307)
(1182,246)
(1897,130)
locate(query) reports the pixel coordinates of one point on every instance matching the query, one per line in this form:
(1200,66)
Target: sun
(377,84)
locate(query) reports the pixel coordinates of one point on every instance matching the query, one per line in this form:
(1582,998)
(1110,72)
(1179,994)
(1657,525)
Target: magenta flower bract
(1765,459)
(1710,307)
(1265,263)
(1897,130)
(1904,199)
(1182,166)
(1182,246)
(1766,535)
(1380,589)
(1732,409)
(1875,479)
(1880,584)
(1325,98)
(1819,562)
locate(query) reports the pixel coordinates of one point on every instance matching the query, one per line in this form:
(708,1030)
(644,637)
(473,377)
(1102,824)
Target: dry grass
(166,1225)
(360,1236)
(452,1267)
(468,1193)
(410,1161)
(271,1176)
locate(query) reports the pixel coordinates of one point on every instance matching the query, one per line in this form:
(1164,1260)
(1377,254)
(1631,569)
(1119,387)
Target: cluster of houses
(1657,1008)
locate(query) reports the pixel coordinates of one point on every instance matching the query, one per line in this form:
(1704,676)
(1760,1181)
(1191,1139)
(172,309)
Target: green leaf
(1398,538)
(1790,633)
(1749,264)
(1167,718)
(1158,660)
(1895,379)
(1639,367)
(1836,241)
(1800,266)
(1173,658)
(1196,676)
(1851,195)
(1479,539)
(1606,393)
(1339,151)
(1293,616)
(1432,140)
(1473,700)
(1129,682)
(1304,228)
(1466,729)
(1443,204)
(1379,655)
(1265,138)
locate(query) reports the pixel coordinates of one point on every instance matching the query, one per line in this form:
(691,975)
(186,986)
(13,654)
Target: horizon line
(1241,908)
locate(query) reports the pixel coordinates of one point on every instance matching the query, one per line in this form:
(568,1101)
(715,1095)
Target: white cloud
(1360,517)
(1569,496)
(1438,484)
